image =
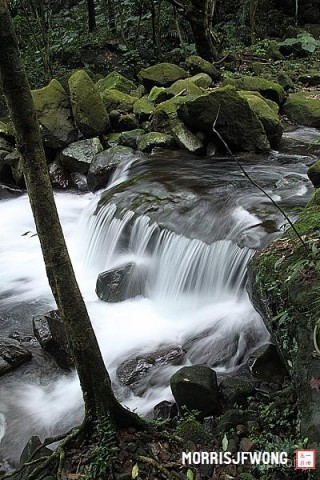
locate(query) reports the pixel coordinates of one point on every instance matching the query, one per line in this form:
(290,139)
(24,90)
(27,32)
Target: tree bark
(91,15)
(94,379)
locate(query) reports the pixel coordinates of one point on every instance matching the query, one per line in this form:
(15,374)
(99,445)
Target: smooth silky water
(193,226)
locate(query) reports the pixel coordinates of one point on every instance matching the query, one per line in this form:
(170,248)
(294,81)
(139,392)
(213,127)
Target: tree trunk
(94,379)
(91,16)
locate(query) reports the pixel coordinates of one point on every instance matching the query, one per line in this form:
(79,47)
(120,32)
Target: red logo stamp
(305,459)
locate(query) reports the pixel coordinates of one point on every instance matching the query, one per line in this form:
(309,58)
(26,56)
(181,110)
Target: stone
(105,163)
(314,174)
(230,419)
(196,388)
(150,140)
(266,364)
(53,109)
(115,100)
(127,121)
(79,180)
(50,333)
(185,87)
(131,137)
(89,112)
(161,75)
(78,156)
(143,109)
(59,176)
(202,80)
(165,410)
(33,443)
(12,354)
(160,94)
(119,284)
(310,79)
(247,445)
(267,116)
(165,112)
(285,81)
(197,64)
(235,121)
(186,139)
(268,89)
(303,108)
(116,81)
(236,390)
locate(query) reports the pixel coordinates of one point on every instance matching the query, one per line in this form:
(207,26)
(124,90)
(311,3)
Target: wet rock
(186,139)
(12,354)
(22,337)
(131,137)
(165,410)
(59,176)
(50,332)
(78,156)
(314,174)
(196,388)
(147,142)
(236,390)
(79,180)
(127,121)
(121,283)
(266,364)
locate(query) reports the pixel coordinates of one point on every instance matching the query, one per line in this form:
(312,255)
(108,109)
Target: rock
(314,174)
(7,130)
(303,108)
(143,109)
(165,410)
(12,354)
(80,181)
(159,94)
(235,121)
(185,87)
(113,139)
(89,112)
(22,337)
(148,141)
(127,121)
(202,80)
(59,176)
(197,64)
(131,137)
(161,75)
(310,79)
(267,116)
(165,112)
(115,100)
(30,447)
(196,388)
(133,370)
(271,90)
(50,333)
(116,81)
(78,156)
(186,139)
(230,419)
(119,284)
(266,365)
(285,81)
(54,114)
(17,173)
(236,390)
(247,445)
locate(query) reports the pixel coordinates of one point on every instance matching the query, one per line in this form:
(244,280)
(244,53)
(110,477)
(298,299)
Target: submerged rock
(196,388)
(121,283)
(59,176)
(12,354)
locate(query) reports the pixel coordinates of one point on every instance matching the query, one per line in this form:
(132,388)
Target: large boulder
(116,100)
(161,75)
(185,87)
(116,81)
(271,90)
(149,141)
(50,333)
(12,354)
(235,121)
(89,112)
(78,156)
(121,283)
(197,64)
(303,108)
(165,113)
(53,109)
(267,116)
(196,388)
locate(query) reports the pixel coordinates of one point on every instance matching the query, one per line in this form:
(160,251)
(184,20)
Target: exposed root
(165,472)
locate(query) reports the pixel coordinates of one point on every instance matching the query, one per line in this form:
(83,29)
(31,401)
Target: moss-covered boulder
(165,112)
(116,81)
(310,79)
(116,100)
(89,113)
(127,121)
(155,139)
(143,109)
(54,114)
(314,174)
(185,87)
(303,108)
(131,137)
(268,89)
(267,116)
(186,139)
(197,64)
(202,80)
(161,75)
(236,122)
(160,94)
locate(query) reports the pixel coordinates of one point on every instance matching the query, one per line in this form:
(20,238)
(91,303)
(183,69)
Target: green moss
(197,64)
(185,87)
(314,174)
(143,109)
(159,94)
(186,139)
(131,137)
(303,108)
(116,81)
(162,75)
(165,112)
(155,139)
(7,129)
(202,80)
(88,110)
(115,100)
(268,89)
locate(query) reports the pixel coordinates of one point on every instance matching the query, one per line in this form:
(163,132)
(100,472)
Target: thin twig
(256,184)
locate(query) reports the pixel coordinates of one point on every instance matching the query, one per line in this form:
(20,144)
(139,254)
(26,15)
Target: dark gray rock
(165,410)
(196,388)
(266,364)
(50,332)
(59,176)
(12,354)
(78,156)
(30,447)
(121,283)
(236,390)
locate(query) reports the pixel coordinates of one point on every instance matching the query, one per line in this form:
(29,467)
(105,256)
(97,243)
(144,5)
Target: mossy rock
(161,75)
(197,64)
(160,94)
(131,137)
(113,139)
(310,79)
(165,112)
(116,81)
(89,112)
(314,174)
(303,108)
(143,109)
(53,109)
(127,121)
(267,117)
(186,139)
(155,139)
(185,87)
(202,80)
(115,100)
(268,89)
(236,122)
(285,81)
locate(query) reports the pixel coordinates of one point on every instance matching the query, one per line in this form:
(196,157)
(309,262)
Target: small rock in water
(12,354)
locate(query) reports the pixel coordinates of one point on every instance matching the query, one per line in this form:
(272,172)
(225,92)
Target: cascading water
(193,297)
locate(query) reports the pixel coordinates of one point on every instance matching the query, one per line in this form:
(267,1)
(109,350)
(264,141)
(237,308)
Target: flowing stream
(189,225)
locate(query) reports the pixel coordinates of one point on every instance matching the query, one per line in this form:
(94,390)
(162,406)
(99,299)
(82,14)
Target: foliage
(189,428)
(304,40)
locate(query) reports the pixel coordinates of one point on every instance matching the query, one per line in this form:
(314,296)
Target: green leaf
(190,475)
(135,471)
(224,443)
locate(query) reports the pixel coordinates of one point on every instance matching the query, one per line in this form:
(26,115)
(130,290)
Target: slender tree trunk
(94,379)
(91,16)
